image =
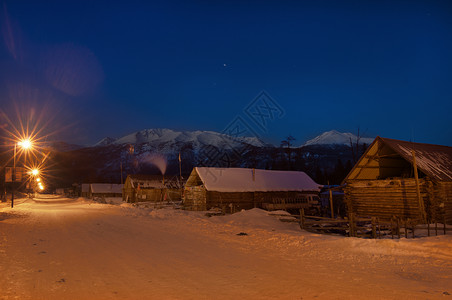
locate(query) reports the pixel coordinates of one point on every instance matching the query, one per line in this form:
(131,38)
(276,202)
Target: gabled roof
(242,180)
(146,181)
(106,188)
(433,160)
(154,181)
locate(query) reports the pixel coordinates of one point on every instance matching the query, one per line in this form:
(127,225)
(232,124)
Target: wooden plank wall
(385,198)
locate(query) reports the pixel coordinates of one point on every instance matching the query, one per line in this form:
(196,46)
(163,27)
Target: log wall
(443,192)
(385,198)
(152,195)
(398,197)
(197,198)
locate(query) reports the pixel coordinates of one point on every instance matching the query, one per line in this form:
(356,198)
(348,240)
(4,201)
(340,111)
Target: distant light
(35,172)
(38,179)
(41,187)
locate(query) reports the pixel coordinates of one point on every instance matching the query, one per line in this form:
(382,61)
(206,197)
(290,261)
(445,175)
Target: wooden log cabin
(402,179)
(232,189)
(154,188)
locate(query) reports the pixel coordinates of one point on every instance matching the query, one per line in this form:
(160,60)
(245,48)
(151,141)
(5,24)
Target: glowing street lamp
(25,144)
(35,172)
(40,186)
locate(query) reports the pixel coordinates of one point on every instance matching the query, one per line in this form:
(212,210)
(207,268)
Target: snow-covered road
(77,249)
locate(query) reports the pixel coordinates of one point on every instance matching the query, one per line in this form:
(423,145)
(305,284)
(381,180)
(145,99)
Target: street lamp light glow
(34,172)
(25,144)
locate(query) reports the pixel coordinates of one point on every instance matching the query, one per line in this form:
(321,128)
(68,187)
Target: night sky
(87,70)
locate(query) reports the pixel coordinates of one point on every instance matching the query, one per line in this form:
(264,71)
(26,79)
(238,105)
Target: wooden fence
(360,227)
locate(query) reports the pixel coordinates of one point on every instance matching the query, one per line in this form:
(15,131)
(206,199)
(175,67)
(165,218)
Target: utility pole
(120,164)
(13,177)
(180,170)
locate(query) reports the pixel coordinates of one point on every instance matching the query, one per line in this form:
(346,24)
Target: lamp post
(14,176)
(25,144)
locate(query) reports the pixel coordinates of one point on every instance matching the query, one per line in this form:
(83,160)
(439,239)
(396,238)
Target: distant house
(85,190)
(240,188)
(60,191)
(383,182)
(155,188)
(105,190)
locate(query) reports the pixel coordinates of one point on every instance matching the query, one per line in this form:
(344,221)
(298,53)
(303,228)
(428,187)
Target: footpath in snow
(61,248)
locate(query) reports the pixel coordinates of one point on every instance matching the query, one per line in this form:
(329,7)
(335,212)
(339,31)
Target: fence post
(302,218)
(379,228)
(352,224)
(392,228)
(406,228)
(374,228)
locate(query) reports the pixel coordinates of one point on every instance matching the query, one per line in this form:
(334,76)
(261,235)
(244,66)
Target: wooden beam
(378,167)
(418,191)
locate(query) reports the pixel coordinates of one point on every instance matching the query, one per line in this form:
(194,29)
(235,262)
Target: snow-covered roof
(106,188)
(146,181)
(434,160)
(154,181)
(243,180)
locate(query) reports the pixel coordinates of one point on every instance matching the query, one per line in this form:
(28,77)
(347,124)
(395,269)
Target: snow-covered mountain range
(166,139)
(334,137)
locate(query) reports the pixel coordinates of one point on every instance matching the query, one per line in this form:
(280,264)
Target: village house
(402,179)
(155,188)
(104,190)
(232,189)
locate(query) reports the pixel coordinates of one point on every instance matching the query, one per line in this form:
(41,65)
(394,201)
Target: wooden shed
(402,179)
(155,188)
(232,189)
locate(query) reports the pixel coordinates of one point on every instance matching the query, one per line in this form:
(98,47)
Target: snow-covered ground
(56,248)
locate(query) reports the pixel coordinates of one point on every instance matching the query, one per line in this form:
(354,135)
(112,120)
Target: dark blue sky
(96,69)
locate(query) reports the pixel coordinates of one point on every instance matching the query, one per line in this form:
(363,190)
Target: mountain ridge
(334,137)
(166,136)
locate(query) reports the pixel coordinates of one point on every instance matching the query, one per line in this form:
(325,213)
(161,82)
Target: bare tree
(355,147)
(287,143)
